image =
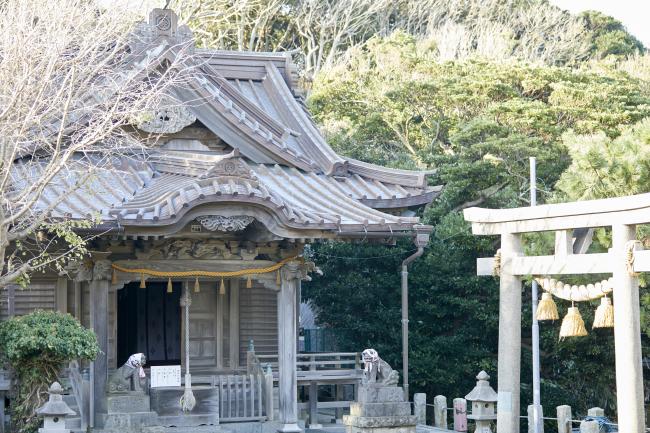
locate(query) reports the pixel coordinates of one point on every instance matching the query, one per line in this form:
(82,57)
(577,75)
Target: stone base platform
(166,403)
(380,409)
(129,411)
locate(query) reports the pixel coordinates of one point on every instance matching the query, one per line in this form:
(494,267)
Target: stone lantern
(54,411)
(483,399)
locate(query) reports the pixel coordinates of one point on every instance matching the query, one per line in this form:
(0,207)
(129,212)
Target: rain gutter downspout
(421,240)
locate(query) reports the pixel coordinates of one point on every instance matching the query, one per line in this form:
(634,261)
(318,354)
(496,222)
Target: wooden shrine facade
(238,182)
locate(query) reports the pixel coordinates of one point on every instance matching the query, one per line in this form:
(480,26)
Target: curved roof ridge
(395,176)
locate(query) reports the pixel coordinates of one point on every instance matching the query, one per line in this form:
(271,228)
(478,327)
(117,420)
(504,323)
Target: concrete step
(197,429)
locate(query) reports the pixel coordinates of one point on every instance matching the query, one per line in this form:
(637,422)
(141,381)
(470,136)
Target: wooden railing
(320,367)
(334,367)
(240,397)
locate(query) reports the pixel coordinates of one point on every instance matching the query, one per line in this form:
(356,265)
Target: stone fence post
(420,407)
(268,393)
(564,419)
(460,414)
(596,411)
(589,427)
(440,411)
(531,420)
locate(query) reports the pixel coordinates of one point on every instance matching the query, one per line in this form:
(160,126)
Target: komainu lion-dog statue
(128,377)
(376,370)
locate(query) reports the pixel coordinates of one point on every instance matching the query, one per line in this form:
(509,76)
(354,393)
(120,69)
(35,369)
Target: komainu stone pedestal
(380,409)
(128,411)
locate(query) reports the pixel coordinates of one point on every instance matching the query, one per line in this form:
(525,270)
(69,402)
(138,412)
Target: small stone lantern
(54,411)
(483,398)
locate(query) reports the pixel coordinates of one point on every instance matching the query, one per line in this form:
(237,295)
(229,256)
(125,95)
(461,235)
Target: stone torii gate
(572,224)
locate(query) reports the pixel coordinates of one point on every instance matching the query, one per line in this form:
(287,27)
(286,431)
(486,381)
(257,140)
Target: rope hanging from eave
(198,273)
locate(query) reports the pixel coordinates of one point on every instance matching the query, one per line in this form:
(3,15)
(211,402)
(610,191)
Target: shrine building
(199,252)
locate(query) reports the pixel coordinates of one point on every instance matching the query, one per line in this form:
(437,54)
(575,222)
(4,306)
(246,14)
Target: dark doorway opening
(149,322)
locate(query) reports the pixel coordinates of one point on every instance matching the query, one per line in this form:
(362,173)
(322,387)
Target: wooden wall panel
(258,321)
(39,295)
(203,327)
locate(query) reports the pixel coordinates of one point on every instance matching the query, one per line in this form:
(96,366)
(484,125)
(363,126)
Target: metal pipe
(405,318)
(537,421)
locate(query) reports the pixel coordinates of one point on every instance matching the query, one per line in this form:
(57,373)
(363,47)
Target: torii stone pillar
(291,275)
(627,336)
(509,337)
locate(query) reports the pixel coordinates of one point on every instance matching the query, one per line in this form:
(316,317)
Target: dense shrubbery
(476,122)
(37,346)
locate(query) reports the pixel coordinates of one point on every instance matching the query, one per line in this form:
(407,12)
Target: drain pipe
(421,240)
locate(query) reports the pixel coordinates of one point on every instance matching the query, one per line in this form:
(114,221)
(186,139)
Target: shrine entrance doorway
(149,321)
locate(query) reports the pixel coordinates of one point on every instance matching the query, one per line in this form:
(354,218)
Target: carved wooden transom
(225,223)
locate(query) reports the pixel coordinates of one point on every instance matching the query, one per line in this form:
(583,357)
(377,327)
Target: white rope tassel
(187,400)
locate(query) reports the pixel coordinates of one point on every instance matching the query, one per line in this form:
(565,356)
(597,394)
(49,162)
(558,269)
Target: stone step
(189,420)
(73,423)
(196,429)
(128,403)
(70,401)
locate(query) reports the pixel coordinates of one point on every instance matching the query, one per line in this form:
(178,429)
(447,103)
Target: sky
(634,14)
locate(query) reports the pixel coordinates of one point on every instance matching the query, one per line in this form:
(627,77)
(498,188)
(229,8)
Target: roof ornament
(168,117)
(164,23)
(232,165)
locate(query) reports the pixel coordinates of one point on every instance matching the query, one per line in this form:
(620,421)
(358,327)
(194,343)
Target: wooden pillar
(233,328)
(627,336)
(77,300)
(11,300)
(221,299)
(313,406)
(287,381)
(62,294)
(99,286)
(509,363)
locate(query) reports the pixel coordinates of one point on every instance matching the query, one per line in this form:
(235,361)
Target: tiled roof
(160,191)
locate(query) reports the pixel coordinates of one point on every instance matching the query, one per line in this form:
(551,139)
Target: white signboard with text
(168,375)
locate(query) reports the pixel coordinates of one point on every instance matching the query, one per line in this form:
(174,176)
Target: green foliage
(609,37)
(477,122)
(37,346)
(360,298)
(604,167)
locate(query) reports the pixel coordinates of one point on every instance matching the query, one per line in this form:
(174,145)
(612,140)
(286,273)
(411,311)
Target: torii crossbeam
(622,214)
